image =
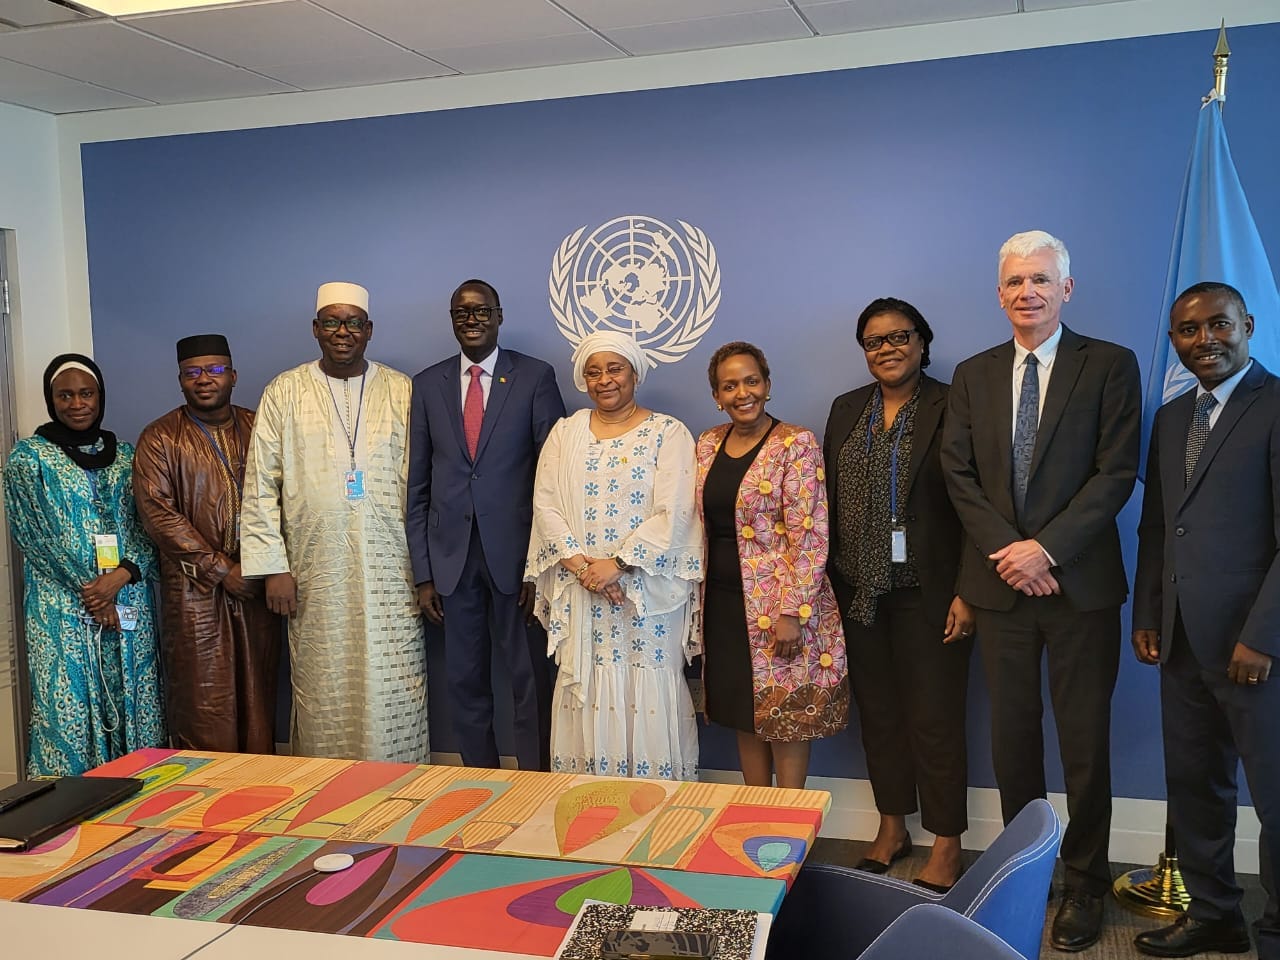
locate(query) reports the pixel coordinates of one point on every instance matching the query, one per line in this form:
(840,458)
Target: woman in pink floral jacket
(773,642)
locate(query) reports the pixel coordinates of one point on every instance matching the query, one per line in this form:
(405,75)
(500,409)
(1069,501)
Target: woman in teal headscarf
(88,566)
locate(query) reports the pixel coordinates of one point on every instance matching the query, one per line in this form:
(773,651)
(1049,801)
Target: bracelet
(586,564)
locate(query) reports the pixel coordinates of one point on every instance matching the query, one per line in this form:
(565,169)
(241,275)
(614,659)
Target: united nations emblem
(637,276)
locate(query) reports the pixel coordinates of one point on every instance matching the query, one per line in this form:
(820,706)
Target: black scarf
(79,445)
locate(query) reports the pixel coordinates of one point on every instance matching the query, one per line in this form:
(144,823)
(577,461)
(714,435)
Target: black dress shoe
(867,865)
(933,887)
(1078,922)
(1188,936)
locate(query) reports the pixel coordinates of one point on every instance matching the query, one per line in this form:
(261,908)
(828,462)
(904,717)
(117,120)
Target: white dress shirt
(1222,392)
(1046,353)
(486,378)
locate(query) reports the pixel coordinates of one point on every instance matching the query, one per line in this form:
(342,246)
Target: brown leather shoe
(1188,936)
(1078,923)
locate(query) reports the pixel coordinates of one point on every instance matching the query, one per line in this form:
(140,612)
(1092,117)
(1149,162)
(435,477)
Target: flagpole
(1159,891)
(1221,54)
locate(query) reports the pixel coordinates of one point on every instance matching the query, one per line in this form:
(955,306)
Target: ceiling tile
(29,13)
(848,16)
(518,54)
(449,24)
(46,91)
(114,56)
(265,35)
(758,27)
(1030,5)
(359,72)
(605,15)
(294,42)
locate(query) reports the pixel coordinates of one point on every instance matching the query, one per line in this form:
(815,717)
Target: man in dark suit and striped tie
(1207,609)
(1041,452)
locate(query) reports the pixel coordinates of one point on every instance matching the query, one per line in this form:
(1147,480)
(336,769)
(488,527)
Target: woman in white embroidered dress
(616,557)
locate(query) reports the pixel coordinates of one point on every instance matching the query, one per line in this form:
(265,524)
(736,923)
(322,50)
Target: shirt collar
(1222,392)
(487,364)
(1045,353)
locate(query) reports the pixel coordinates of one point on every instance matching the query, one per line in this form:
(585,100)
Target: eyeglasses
(213,370)
(613,370)
(898,338)
(354,324)
(483,313)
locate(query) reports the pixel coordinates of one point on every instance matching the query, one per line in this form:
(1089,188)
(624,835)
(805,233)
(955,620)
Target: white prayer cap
(352,293)
(608,341)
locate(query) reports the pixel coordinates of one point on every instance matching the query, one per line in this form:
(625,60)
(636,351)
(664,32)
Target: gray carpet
(1116,942)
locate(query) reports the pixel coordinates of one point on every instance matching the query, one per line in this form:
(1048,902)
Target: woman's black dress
(727,654)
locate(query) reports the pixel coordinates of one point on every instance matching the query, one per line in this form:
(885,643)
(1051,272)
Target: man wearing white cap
(323,522)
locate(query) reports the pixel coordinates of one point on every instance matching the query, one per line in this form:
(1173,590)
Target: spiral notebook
(71,800)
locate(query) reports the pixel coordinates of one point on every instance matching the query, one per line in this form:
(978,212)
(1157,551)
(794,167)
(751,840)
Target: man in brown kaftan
(220,644)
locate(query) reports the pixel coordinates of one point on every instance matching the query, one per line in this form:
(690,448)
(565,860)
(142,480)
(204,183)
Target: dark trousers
(910,689)
(478,620)
(1083,651)
(1211,724)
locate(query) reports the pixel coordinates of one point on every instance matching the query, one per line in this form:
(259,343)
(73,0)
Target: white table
(34,931)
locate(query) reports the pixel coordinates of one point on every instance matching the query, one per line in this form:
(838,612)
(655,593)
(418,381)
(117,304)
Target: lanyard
(350,434)
(878,411)
(239,477)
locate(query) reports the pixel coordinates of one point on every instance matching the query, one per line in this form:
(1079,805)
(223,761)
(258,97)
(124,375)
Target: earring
(768,397)
(720,406)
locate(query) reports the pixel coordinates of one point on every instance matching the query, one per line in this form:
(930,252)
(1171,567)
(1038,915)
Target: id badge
(353,484)
(898,544)
(128,617)
(106,551)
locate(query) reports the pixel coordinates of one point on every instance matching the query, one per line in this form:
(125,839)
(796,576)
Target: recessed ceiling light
(125,8)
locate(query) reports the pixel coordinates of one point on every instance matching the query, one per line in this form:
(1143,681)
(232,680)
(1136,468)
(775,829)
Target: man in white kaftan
(323,522)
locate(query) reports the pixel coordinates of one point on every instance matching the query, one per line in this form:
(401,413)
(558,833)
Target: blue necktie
(1024,433)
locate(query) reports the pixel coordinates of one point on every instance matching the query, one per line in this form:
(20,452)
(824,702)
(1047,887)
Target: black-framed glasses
(354,324)
(212,369)
(895,338)
(481,313)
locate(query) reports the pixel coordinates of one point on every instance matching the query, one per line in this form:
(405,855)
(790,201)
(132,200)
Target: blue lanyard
(238,476)
(350,434)
(877,412)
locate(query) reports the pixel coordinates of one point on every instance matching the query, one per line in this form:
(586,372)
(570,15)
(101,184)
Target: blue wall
(819,192)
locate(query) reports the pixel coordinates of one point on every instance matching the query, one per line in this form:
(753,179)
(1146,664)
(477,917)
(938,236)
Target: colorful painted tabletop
(489,859)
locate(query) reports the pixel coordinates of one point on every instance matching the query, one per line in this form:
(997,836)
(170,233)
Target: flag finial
(1221,53)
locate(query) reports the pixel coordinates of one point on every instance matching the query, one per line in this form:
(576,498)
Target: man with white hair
(1040,450)
(323,522)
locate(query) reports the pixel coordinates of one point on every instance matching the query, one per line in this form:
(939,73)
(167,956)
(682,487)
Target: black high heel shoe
(867,865)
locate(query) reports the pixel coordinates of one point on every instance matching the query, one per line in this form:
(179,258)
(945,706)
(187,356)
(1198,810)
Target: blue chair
(838,911)
(929,930)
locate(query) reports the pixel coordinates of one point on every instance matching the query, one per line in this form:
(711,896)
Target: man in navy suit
(477,424)
(1207,609)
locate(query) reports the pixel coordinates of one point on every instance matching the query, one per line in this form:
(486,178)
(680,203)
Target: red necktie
(473,410)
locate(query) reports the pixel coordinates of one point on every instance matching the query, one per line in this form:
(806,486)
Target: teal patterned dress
(95,693)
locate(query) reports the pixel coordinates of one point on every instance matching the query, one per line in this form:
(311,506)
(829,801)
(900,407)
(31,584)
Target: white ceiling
(62,60)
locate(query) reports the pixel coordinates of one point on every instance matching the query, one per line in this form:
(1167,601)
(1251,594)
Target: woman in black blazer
(895,550)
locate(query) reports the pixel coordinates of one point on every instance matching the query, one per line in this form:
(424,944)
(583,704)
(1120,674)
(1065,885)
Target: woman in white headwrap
(616,557)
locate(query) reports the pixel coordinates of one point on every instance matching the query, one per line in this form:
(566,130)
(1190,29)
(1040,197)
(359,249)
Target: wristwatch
(621,565)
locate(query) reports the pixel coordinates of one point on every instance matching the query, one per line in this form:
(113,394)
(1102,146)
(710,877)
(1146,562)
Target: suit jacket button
(475,476)
(1179,531)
